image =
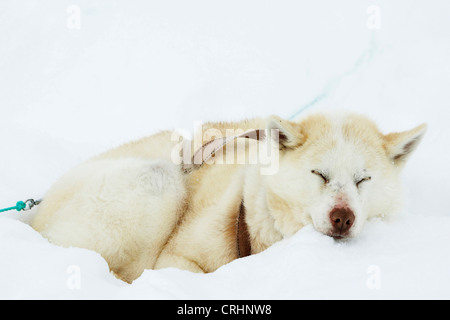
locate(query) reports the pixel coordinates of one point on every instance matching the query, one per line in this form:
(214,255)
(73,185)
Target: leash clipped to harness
(23,205)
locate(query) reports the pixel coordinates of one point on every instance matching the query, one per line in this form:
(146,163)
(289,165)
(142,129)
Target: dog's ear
(289,133)
(400,145)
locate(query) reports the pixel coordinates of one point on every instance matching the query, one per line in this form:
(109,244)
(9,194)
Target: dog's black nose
(342,220)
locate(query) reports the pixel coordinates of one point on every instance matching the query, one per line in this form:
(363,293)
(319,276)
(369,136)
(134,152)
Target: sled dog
(146,205)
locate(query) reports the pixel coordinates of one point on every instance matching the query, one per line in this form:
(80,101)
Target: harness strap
(206,152)
(209,149)
(243,243)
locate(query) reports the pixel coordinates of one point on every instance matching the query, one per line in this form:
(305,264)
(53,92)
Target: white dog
(141,209)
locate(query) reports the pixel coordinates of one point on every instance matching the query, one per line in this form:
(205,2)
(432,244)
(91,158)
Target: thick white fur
(137,208)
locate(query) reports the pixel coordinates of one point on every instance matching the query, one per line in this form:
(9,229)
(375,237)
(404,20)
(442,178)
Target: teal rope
(20,205)
(23,205)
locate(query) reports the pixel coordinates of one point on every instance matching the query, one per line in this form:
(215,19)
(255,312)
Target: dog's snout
(341,220)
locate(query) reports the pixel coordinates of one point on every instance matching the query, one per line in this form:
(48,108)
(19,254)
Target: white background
(72,86)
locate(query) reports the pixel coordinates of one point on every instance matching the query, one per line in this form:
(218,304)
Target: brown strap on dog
(243,244)
(208,150)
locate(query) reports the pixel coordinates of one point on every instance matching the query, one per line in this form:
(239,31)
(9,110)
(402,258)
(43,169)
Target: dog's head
(336,172)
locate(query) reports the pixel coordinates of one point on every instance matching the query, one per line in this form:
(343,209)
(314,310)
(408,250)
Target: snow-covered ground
(78,78)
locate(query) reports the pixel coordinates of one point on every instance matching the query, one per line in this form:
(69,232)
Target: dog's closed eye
(323,175)
(358,182)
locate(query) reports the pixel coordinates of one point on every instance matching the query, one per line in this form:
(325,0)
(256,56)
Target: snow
(129,70)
